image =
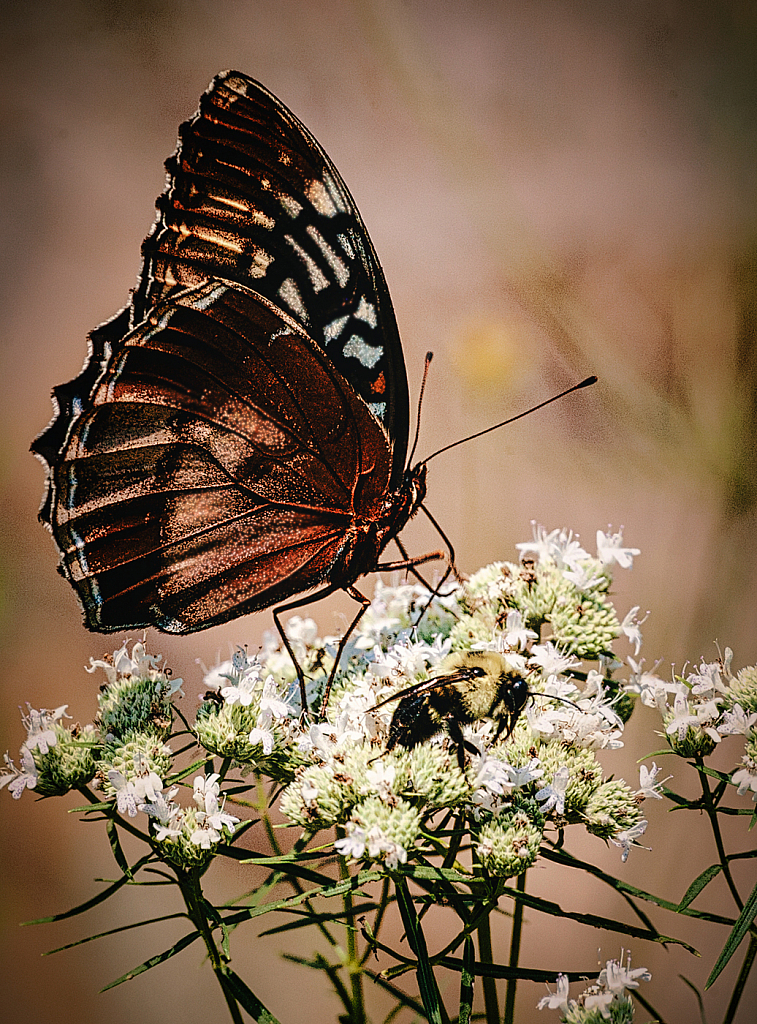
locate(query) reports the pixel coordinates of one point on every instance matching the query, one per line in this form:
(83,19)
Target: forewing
(214,468)
(252,197)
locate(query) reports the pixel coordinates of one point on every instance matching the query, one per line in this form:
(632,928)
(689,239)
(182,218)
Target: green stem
(488,984)
(354,966)
(515,938)
(196,905)
(712,814)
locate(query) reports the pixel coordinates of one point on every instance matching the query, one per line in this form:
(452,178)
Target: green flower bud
(397,824)
(743,690)
(318,798)
(69,763)
(135,705)
(584,624)
(693,743)
(611,809)
(436,776)
(508,843)
(180,850)
(133,757)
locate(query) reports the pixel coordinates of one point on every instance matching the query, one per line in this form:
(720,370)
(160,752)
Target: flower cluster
(380,785)
(603,1000)
(701,708)
(124,755)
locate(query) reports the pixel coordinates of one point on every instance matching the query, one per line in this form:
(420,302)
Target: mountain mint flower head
(604,1000)
(508,842)
(54,758)
(137,695)
(132,769)
(743,691)
(745,778)
(245,716)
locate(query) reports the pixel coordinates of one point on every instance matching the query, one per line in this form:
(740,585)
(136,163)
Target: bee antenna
(551,696)
(427,363)
(584,384)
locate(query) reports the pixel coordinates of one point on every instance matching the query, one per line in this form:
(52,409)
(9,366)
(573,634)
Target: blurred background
(554,189)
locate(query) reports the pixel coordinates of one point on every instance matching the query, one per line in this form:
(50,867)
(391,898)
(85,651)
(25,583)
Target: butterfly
(238,435)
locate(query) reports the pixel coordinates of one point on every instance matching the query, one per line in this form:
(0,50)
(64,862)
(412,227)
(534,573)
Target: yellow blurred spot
(487,353)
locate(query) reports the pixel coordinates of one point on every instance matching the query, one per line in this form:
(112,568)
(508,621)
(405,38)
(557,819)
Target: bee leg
(461,744)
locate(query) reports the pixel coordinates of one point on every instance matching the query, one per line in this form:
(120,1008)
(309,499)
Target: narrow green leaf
(740,929)
(154,961)
(247,998)
(699,883)
(115,931)
(427,986)
(115,845)
(100,898)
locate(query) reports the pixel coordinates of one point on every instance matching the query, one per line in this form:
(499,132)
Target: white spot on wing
(202,302)
(378,409)
(292,207)
(335,328)
(261,261)
(362,351)
(321,200)
(290,293)
(366,311)
(341,272)
(346,244)
(334,192)
(316,275)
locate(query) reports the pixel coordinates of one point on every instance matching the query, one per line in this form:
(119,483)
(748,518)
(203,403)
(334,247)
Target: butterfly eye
(477,672)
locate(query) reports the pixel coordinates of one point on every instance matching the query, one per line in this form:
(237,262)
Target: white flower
(559,546)
(409,658)
(162,808)
(648,784)
(206,789)
(40,727)
(553,794)
(630,626)
(682,717)
(353,844)
(19,779)
(127,798)
(617,978)
(584,577)
(746,778)
(516,634)
(271,702)
(530,772)
(550,659)
(492,779)
(610,549)
(380,780)
(557,1000)
(320,738)
(219,820)
(737,722)
(262,735)
(625,840)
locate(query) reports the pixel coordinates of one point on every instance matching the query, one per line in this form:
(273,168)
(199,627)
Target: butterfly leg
(357,596)
(364,603)
(290,607)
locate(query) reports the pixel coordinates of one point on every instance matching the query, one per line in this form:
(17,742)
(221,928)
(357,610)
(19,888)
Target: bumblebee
(466,687)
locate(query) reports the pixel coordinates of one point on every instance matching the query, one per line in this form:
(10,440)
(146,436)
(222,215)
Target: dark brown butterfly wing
(253,198)
(216,469)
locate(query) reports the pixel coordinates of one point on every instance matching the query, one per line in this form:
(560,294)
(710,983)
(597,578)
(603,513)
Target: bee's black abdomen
(413,722)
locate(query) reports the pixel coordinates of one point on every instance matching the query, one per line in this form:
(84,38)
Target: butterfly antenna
(576,387)
(429,357)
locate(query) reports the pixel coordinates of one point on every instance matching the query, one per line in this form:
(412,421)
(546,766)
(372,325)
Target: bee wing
(433,683)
